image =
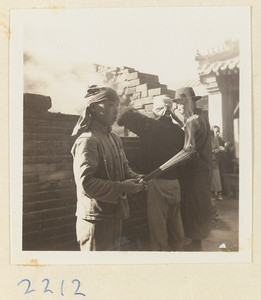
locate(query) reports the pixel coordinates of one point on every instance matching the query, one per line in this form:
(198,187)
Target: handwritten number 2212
(28,290)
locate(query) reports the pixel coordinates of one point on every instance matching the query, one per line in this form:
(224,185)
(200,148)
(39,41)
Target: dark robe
(195,179)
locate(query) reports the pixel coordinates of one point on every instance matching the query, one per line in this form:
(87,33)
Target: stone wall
(139,89)
(48,187)
(49,193)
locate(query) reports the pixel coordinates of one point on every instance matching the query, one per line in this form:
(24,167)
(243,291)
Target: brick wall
(48,187)
(49,194)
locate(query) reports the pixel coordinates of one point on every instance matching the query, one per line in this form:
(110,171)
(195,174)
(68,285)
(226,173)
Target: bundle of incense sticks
(180,157)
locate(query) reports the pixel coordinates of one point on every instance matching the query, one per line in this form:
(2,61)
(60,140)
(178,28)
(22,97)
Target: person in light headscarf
(102,173)
(161,139)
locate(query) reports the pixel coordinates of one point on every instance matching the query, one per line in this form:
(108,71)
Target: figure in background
(229,157)
(216,187)
(161,139)
(195,174)
(102,173)
(220,155)
(216,130)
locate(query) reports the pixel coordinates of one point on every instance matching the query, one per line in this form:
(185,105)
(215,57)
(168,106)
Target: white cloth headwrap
(161,105)
(95,94)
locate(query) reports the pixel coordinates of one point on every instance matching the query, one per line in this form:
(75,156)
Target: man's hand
(132,186)
(144,182)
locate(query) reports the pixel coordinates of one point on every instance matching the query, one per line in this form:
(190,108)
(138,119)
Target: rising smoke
(64,82)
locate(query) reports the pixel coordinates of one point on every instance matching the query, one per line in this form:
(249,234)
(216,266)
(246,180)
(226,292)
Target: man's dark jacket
(161,139)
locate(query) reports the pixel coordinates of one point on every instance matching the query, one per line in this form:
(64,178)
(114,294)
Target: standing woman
(220,155)
(216,179)
(195,175)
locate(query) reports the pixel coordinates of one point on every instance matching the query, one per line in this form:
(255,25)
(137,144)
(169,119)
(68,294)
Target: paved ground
(224,234)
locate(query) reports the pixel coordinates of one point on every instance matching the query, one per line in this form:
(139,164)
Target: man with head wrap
(102,173)
(161,139)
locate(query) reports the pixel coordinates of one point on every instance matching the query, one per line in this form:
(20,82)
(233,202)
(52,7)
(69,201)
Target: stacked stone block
(139,88)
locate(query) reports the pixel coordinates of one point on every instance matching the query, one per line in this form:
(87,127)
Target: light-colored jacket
(99,164)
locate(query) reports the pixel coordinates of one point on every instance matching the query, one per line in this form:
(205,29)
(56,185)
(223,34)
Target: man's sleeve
(129,174)
(135,121)
(201,132)
(221,142)
(86,159)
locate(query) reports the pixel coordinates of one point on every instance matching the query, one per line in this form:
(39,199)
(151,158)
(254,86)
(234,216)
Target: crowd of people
(179,203)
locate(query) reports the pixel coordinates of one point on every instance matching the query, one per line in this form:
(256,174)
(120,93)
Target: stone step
(47,177)
(39,224)
(48,145)
(54,203)
(125,69)
(42,168)
(146,77)
(48,129)
(43,151)
(143,101)
(130,90)
(48,213)
(50,185)
(161,91)
(135,96)
(147,86)
(49,116)
(51,122)
(47,137)
(48,195)
(47,159)
(36,241)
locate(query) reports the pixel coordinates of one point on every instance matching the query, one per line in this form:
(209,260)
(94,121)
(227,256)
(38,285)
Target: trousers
(164,217)
(99,235)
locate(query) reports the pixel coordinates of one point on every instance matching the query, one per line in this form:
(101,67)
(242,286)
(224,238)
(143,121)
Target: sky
(59,45)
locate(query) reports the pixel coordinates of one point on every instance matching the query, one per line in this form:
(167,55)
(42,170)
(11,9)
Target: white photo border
(79,258)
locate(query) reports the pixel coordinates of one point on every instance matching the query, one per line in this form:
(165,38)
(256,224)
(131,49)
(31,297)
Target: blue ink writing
(62,288)
(46,288)
(28,288)
(76,293)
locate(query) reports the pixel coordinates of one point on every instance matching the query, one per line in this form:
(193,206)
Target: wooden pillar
(215,108)
(228,85)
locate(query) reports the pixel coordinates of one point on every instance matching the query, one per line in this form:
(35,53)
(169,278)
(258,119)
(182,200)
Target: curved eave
(223,67)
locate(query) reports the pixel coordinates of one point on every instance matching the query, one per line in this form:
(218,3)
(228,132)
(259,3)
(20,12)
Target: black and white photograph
(130,135)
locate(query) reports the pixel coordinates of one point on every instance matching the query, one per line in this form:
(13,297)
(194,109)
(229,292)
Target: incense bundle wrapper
(183,155)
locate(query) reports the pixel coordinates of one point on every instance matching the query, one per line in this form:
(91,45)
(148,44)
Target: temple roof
(222,67)
(219,60)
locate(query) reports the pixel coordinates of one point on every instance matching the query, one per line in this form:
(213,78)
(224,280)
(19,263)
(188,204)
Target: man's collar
(97,126)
